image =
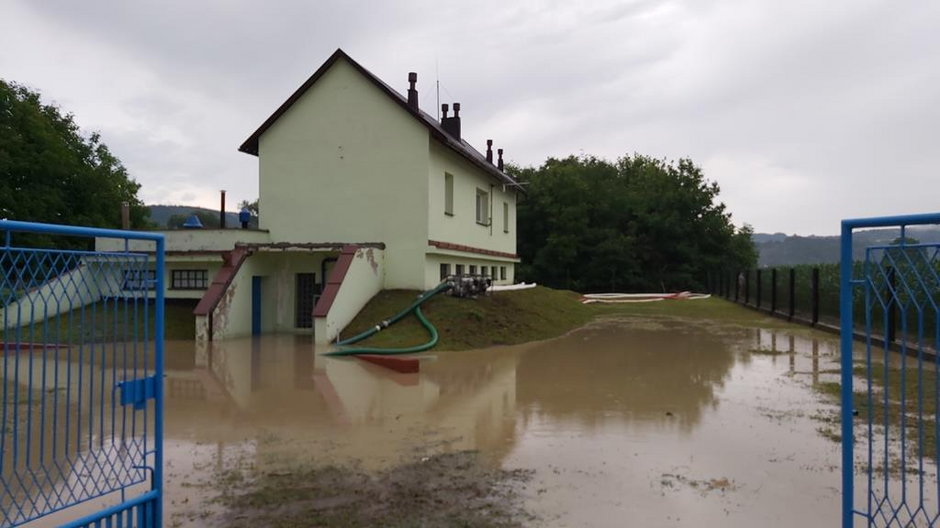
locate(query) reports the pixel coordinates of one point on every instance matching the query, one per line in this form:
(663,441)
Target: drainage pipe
(614,298)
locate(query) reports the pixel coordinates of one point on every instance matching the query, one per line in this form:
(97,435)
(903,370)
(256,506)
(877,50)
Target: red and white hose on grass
(616,298)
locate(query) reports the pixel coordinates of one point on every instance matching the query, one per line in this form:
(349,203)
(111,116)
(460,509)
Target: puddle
(653,422)
(663,422)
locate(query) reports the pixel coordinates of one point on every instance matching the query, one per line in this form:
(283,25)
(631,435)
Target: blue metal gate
(82,345)
(890,424)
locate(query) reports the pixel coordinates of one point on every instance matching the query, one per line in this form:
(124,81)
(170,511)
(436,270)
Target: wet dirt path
(627,422)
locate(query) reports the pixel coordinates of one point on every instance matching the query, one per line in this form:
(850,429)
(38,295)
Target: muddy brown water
(626,422)
(655,422)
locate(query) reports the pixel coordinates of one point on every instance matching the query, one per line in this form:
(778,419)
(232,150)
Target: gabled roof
(461,147)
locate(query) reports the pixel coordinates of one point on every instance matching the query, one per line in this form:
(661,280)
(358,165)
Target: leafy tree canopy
(51,172)
(637,224)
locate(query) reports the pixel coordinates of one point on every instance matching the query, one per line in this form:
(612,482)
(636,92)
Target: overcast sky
(804,112)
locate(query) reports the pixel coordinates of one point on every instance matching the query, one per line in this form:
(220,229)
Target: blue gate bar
(159,374)
(56,229)
(846,304)
(79,322)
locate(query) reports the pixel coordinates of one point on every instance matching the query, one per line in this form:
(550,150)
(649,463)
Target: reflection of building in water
(362,411)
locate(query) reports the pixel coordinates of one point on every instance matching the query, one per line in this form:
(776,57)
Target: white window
(483,207)
(448,194)
(505,217)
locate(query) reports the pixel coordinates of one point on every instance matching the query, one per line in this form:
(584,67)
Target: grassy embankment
(106,321)
(508,318)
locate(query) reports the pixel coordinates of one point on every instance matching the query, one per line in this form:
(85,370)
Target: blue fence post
(159,330)
(846,331)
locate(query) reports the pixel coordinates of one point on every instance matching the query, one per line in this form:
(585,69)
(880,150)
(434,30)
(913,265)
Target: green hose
(395,351)
(413,307)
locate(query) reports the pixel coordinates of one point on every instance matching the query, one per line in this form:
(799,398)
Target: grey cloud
(840,96)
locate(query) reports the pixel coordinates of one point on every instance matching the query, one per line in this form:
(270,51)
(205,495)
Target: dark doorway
(256,305)
(306,295)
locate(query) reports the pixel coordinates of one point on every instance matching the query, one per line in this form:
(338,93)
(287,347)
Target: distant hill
(781,250)
(159,214)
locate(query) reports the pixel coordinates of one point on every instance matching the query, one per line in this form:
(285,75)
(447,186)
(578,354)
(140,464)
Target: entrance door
(256,305)
(306,292)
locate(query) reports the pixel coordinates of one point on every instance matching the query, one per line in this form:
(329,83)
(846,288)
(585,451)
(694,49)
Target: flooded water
(662,422)
(626,422)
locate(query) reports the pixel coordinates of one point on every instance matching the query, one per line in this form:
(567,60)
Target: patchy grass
(513,317)
(445,490)
(887,382)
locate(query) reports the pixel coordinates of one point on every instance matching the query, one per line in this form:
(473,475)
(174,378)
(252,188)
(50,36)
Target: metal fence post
(846,330)
(792,293)
(747,287)
(757,303)
(815,295)
(773,290)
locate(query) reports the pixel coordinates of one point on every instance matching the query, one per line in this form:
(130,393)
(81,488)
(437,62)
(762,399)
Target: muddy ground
(446,490)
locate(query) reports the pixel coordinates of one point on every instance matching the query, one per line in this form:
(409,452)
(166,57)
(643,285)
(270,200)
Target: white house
(360,191)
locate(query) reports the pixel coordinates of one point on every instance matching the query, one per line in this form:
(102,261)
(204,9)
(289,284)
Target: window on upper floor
(505,217)
(448,194)
(483,207)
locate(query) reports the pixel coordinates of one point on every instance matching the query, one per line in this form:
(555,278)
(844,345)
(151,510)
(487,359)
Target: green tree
(51,172)
(636,224)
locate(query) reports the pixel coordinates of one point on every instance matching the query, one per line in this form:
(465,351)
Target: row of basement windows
(482,204)
(496,272)
(186,279)
(180,279)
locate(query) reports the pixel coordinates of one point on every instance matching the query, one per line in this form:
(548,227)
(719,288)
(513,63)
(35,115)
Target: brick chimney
(451,125)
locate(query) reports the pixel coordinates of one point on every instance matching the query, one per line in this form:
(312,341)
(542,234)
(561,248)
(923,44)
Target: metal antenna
(437,81)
